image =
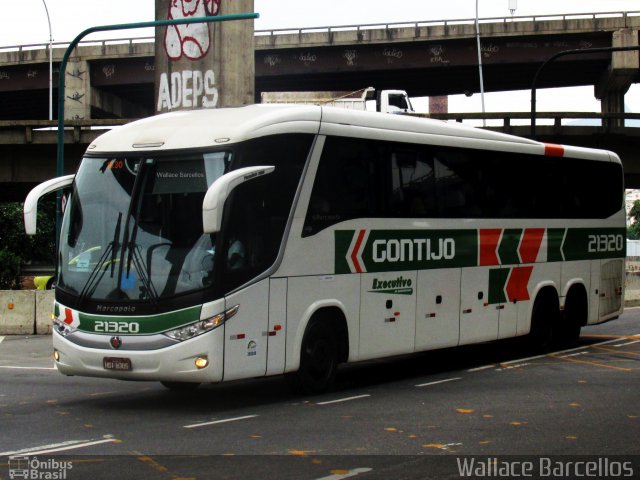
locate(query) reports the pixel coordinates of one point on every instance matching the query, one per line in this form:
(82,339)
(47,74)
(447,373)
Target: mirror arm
(219,191)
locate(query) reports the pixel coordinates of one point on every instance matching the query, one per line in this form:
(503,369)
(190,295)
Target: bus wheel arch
(324,344)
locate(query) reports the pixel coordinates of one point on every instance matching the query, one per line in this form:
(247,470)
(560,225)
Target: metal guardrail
(459,21)
(507,117)
(339,28)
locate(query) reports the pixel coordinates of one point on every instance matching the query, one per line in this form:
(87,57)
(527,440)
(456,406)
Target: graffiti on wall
(190,86)
(189,41)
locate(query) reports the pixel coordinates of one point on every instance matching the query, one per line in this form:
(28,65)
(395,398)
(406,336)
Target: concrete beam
(622,72)
(116,106)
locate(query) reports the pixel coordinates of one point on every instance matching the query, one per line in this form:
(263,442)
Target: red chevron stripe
(489,239)
(517,285)
(356,248)
(530,244)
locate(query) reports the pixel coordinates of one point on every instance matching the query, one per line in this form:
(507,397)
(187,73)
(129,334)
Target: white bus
(222,244)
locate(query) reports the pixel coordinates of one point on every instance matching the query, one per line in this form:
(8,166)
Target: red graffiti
(194,40)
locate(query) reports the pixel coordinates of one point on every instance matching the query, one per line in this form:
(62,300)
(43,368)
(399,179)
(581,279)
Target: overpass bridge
(425,58)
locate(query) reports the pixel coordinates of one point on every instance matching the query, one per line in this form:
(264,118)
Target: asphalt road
(404,418)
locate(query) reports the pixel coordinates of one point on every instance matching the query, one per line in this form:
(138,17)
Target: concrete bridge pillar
(77,97)
(622,72)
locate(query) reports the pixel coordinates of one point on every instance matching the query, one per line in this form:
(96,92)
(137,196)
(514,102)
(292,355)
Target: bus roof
(220,126)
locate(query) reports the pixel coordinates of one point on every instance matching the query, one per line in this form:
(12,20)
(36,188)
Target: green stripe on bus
(146,325)
(402,250)
(594,243)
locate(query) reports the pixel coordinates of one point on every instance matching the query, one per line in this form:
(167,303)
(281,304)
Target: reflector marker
(553,150)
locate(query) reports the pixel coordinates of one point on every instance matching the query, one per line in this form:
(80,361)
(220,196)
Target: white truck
(388,101)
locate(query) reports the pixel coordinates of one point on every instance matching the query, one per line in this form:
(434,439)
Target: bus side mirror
(31,202)
(219,190)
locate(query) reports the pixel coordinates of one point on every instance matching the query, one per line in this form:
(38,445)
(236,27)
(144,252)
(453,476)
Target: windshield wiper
(138,263)
(93,280)
(115,247)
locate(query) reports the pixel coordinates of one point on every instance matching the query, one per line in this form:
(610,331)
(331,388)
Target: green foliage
(633,230)
(17,248)
(9,270)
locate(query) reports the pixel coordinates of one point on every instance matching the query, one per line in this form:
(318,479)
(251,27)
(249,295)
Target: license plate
(117,363)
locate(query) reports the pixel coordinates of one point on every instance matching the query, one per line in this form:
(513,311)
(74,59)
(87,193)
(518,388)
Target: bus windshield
(129,232)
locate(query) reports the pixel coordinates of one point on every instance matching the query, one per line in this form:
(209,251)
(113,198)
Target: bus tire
(573,317)
(318,359)
(180,386)
(544,320)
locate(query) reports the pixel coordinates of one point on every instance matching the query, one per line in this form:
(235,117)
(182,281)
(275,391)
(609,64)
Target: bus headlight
(202,326)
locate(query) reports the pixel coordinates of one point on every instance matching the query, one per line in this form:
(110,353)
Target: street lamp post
(50,63)
(484,120)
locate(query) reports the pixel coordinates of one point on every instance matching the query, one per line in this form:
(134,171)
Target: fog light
(56,355)
(202,362)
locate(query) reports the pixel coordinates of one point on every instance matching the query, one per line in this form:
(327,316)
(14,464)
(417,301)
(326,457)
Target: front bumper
(175,363)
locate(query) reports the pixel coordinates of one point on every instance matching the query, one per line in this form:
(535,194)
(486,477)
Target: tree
(17,248)
(633,231)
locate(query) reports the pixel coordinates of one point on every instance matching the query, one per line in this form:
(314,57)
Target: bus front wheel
(318,360)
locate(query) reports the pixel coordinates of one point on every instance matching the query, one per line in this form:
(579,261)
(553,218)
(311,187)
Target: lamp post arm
(579,51)
(106,28)
(123,26)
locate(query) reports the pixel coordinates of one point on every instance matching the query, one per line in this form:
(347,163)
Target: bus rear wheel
(574,316)
(318,360)
(544,321)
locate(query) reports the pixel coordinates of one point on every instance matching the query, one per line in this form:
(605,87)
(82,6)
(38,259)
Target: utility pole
(484,120)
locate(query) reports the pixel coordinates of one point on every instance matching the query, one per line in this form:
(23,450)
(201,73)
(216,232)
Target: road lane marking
(616,351)
(478,369)
(341,400)
(61,447)
(436,382)
(628,343)
(521,360)
(342,474)
(1,339)
(573,360)
(147,460)
(216,422)
(12,367)
(577,354)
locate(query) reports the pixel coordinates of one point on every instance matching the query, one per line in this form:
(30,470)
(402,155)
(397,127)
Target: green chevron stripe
(555,236)
(508,249)
(497,280)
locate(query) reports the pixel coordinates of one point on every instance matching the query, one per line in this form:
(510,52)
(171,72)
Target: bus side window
(343,187)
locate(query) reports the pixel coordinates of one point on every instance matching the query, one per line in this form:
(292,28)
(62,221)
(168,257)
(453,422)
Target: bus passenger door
(387,313)
(246,334)
(438,310)
(478,318)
